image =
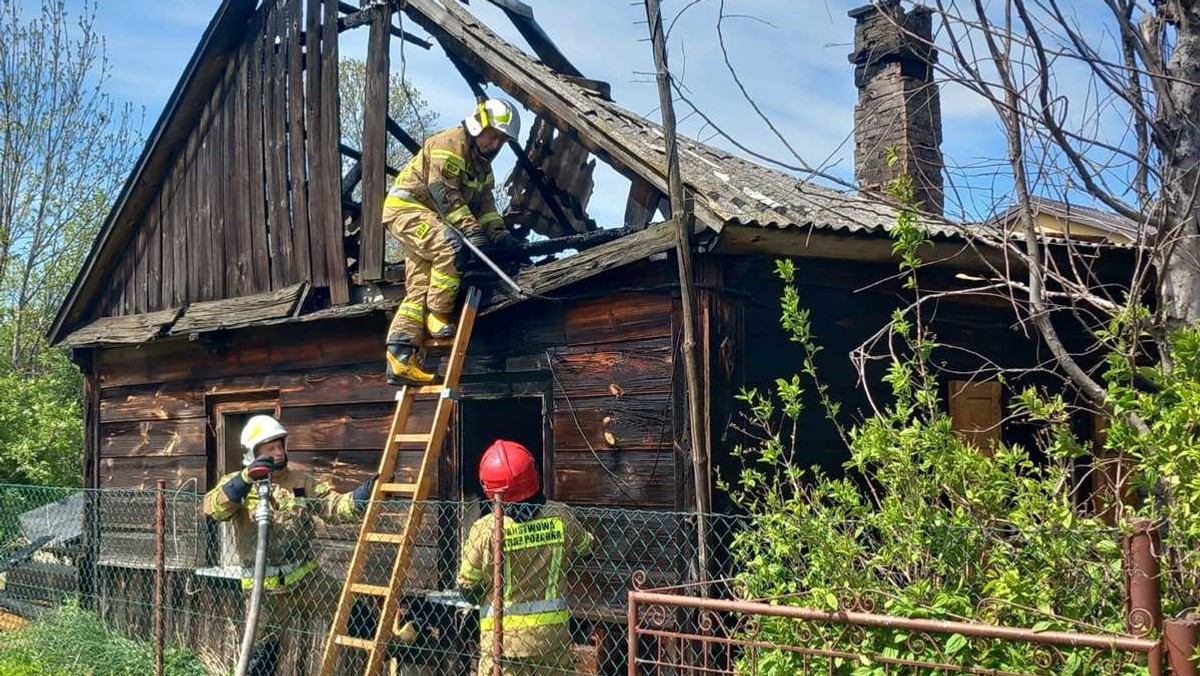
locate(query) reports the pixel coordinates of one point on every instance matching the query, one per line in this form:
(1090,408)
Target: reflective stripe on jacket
(536,554)
(297,500)
(448,176)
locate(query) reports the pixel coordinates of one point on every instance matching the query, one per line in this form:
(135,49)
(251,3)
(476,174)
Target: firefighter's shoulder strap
(386,489)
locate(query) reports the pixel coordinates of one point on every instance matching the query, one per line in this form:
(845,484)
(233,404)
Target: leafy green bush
(925,525)
(73,642)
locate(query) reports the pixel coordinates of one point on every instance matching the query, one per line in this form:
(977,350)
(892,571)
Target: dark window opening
(482,421)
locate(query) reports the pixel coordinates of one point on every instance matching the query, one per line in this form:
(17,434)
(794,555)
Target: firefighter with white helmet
(541,539)
(297,499)
(449,182)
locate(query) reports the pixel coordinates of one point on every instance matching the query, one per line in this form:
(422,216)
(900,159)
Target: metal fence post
(1142,569)
(160,557)
(1182,637)
(497,584)
(631,628)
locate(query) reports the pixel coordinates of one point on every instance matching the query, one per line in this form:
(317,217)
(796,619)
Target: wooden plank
(158,402)
(204,180)
(129,330)
(152,438)
(632,422)
(167,226)
(221,158)
(346,469)
(630,249)
(298,347)
(316,145)
(260,261)
(140,272)
(334,427)
(234,312)
(296,143)
(642,204)
(279,218)
(154,270)
(626,479)
(329,195)
(237,226)
(141,473)
(616,369)
(616,317)
(349,388)
(179,236)
(191,241)
(375,103)
(125,283)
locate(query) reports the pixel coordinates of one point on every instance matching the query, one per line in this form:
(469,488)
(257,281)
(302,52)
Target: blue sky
(791,56)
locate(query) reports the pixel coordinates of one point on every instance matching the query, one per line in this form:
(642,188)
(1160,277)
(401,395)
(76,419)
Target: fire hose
(262,516)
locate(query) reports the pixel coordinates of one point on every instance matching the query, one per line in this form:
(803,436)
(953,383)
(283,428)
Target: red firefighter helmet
(508,468)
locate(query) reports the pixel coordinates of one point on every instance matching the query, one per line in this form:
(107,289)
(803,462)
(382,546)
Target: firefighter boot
(439,326)
(404,368)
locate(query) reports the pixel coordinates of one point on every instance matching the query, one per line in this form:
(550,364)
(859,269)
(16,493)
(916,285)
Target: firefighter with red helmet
(540,540)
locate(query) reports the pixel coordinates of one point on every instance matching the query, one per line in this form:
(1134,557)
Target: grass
(73,642)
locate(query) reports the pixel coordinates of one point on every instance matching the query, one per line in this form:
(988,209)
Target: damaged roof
(727,188)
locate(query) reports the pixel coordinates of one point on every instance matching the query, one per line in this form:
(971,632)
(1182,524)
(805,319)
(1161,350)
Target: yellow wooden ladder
(385,489)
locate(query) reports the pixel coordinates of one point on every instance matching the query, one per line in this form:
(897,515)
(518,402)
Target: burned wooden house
(237,274)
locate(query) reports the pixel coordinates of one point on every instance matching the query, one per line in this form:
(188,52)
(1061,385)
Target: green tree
(65,145)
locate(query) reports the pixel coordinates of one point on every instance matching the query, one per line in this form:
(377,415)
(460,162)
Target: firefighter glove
(505,240)
(477,236)
(237,488)
(363,493)
(260,469)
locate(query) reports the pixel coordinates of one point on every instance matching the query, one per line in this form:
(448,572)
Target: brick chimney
(898,104)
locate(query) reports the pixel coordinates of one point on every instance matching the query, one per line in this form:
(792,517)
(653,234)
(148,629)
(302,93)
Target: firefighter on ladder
(448,182)
(540,539)
(293,576)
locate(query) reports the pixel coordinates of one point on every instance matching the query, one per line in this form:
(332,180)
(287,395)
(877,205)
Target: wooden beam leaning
(375,102)
(644,200)
(410,144)
(534,85)
(356,18)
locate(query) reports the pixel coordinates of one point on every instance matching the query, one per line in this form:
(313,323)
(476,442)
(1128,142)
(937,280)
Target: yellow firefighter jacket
(536,553)
(297,498)
(450,177)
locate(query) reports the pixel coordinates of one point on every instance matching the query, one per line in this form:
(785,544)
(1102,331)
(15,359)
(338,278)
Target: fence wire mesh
(96,550)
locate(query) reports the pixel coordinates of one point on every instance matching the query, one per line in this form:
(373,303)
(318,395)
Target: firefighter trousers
(433,263)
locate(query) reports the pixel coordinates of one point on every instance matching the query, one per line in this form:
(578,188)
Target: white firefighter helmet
(497,114)
(259,430)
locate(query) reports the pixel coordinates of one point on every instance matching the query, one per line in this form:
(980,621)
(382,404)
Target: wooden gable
(250,199)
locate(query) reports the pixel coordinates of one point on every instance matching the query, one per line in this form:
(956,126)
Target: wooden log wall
(607,358)
(251,202)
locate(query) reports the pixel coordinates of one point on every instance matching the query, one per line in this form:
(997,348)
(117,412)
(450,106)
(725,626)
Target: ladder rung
(372,589)
(399,488)
(439,342)
(412,438)
(351,642)
(390,538)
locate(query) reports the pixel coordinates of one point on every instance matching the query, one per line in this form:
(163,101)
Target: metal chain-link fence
(98,548)
(570,612)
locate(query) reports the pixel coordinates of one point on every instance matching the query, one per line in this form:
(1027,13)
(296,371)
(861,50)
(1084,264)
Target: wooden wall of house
(848,304)
(252,200)
(605,357)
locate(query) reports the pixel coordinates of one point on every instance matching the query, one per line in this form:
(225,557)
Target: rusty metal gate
(689,630)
